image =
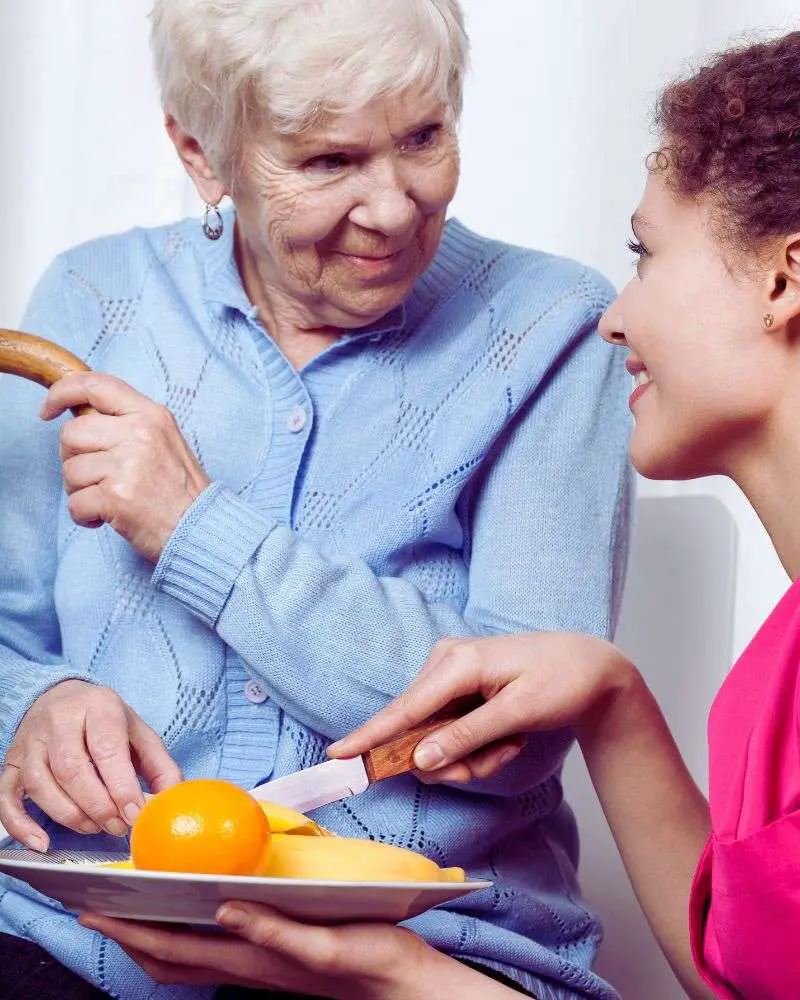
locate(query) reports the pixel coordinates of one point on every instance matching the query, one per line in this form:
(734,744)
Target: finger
(172,954)
(88,507)
(154,947)
(491,721)
(88,433)
(108,741)
(438,652)
(167,943)
(42,787)
(71,753)
(453,774)
(106,393)
(492,759)
(275,933)
(431,691)
(13,815)
(154,762)
(81,471)
(175,974)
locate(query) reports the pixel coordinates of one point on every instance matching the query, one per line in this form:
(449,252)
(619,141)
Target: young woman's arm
(658,816)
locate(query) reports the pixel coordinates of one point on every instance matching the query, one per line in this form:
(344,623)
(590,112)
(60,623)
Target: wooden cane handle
(38,359)
(397,756)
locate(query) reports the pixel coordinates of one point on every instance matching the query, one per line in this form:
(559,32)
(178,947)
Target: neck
(771,482)
(290,324)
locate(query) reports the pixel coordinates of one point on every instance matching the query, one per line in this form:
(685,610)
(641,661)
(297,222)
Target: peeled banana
(347,859)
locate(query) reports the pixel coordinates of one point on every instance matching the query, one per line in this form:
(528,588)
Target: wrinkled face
(344,217)
(692,318)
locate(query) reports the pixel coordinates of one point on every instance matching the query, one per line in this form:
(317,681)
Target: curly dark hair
(732,131)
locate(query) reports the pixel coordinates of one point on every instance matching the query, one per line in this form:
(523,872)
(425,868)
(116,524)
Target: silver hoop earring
(213,223)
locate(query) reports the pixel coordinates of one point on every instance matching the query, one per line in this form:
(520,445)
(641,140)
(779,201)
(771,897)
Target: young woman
(712,325)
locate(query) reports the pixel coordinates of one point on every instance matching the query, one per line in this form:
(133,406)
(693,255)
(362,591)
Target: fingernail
(116,827)
(428,755)
(89,827)
(508,755)
(130,812)
(230,916)
(36,843)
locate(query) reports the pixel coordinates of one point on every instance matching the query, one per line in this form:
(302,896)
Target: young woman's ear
(782,291)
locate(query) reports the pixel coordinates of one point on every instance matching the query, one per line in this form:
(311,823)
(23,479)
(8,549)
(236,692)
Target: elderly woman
(337,430)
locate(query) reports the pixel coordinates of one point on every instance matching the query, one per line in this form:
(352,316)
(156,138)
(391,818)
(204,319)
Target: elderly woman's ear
(196,163)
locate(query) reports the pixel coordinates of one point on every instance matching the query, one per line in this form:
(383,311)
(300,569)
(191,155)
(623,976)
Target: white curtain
(554,135)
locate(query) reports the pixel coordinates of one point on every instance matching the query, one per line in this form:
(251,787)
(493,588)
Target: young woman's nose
(611,326)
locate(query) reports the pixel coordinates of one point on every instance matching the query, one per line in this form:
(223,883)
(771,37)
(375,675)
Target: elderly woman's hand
(73,755)
(530,682)
(371,961)
(127,464)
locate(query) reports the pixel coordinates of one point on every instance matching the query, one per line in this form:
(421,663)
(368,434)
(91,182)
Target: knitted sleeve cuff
(208,550)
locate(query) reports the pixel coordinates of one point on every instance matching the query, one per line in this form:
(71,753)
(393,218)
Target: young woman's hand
(266,950)
(532,682)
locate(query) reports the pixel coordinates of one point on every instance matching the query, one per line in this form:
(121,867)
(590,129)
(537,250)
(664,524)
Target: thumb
(154,762)
(272,931)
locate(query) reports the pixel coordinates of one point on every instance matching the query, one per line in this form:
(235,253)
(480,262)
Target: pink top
(745,902)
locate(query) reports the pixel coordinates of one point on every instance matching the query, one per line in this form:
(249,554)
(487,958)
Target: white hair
(226,66)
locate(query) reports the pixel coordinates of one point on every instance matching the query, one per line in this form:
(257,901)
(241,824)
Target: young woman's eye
(640,250)
(329,163)
(424,137)
(637,249)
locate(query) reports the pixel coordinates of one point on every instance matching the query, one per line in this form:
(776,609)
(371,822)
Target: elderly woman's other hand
(534,682)
(371,961)
(73,755)
(127,464)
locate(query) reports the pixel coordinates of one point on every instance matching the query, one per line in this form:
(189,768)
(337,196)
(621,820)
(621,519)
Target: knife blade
(339,779)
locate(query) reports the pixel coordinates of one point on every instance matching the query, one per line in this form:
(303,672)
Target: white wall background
(555,132)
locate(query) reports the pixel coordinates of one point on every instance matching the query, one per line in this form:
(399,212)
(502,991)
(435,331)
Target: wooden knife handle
(38,359)
(397,756)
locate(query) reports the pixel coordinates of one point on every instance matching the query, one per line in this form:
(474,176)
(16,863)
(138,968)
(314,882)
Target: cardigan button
(255,692)
(297,419)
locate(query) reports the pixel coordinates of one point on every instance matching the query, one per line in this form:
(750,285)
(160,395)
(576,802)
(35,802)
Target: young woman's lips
(637,393)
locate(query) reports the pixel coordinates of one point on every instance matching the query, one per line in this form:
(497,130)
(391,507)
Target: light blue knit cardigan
(458,468)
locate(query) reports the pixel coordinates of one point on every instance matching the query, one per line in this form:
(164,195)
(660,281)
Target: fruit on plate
(347,859)
(208,826)
(204,826)
(282,819)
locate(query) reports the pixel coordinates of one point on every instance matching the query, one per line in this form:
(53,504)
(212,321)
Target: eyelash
(636,248)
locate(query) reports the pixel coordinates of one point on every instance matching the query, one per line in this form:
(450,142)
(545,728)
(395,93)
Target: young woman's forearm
(436,976)
(656,812)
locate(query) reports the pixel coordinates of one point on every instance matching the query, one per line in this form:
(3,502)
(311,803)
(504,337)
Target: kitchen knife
(339,779)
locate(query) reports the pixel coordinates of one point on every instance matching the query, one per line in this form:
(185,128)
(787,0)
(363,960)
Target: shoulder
(117,265)
(522,280)
(525,312)
(99,285)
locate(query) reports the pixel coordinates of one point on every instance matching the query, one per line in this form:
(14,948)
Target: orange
(205,826)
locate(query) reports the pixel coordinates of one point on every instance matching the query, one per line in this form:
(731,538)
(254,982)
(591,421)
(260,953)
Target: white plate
(74,879)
